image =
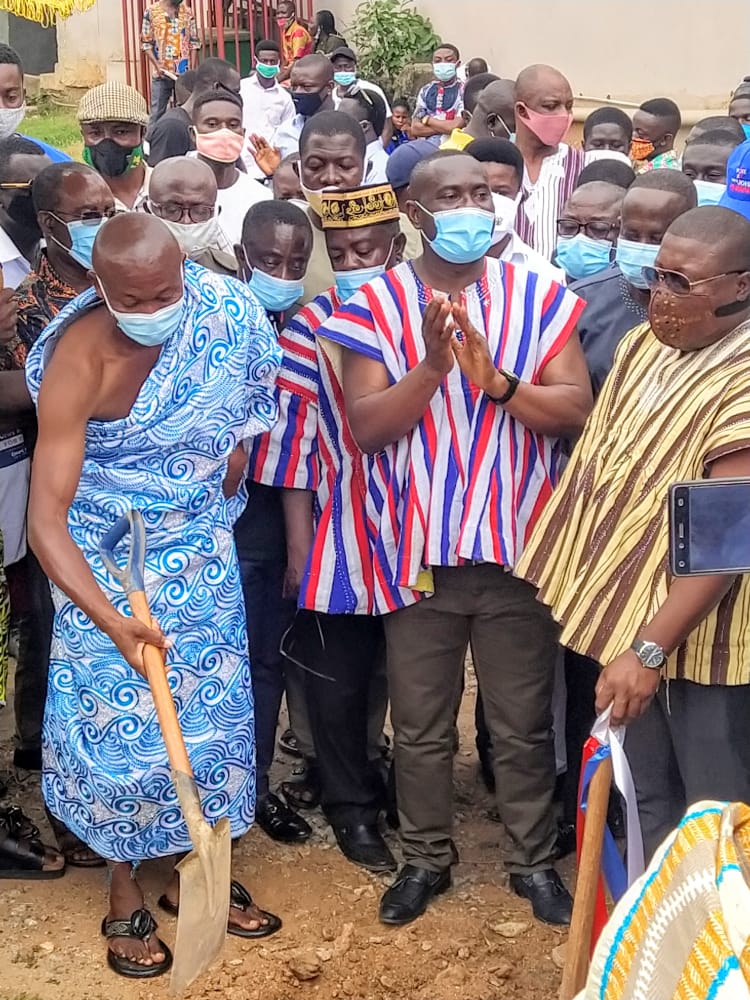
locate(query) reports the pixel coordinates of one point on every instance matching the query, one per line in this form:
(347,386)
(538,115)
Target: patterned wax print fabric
(296,42)
(683,929)
(170,38)
(106,774)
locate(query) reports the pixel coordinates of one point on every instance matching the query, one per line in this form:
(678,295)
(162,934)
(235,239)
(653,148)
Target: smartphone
(709,527)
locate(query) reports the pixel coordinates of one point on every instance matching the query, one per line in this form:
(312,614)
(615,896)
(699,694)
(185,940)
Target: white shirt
(365,85)
(375,163)
(264,110)
(14,264)
(522,255)
(287,136)
(234,202)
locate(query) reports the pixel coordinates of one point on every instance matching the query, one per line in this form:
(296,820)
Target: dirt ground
(478,942)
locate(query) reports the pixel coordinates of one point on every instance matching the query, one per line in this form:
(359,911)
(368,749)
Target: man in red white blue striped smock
(460,376)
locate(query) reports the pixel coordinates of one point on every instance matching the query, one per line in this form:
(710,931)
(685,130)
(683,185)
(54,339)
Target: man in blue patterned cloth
(146,387)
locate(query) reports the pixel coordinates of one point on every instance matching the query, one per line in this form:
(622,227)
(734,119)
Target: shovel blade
(205,876)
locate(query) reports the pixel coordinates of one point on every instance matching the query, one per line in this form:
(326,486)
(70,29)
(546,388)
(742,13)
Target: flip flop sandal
(22,854)
(141,926)
(240,899)
(70,844)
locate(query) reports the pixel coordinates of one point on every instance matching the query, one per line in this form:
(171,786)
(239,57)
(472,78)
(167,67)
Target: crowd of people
(390,379)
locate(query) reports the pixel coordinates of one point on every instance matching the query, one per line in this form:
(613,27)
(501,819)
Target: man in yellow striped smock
(675,652)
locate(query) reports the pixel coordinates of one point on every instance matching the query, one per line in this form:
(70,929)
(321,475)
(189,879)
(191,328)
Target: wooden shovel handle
(156,672)
(579,940)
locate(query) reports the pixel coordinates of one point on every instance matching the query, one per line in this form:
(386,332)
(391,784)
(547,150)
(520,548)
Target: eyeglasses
(173,211)
(91,218)
(594,230)
(675,281)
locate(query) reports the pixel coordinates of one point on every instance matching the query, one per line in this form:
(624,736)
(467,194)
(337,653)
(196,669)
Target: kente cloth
(682,931)
(106,774)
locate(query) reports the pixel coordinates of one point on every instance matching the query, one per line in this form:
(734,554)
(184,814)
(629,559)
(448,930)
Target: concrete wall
(627,50)
(90,48)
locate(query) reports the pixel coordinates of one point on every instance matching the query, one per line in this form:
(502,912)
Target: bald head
(725,232)
(182,178)
(537,79)
(497,100)
(138,263)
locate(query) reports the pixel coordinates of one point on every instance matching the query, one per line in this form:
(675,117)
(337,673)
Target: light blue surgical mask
(345,79)
(349,282)
(462,235)
(746,129)
(445,72)
(580,256)
(632,257)
(82,236)
(274,294)
(149,329)
(709,193)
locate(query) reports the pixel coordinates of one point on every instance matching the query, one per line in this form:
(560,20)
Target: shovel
(206,872)
(578,946)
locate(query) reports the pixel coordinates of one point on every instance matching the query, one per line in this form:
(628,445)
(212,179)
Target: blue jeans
(269,615)
(162,89)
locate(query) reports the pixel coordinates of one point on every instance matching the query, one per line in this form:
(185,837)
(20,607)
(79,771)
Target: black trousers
(691,744)
(347,651)
(32,668)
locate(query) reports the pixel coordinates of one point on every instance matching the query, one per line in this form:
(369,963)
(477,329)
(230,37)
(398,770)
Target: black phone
(709,527)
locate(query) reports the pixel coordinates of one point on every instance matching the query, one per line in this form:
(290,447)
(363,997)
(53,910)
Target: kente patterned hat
(113,102)
(365,206)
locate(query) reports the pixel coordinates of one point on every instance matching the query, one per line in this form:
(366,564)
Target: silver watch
(650,654)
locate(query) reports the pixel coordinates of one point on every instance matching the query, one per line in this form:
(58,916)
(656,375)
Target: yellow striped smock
(599,552)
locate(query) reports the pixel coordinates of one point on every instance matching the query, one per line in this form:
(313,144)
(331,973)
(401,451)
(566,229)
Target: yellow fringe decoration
(45,12)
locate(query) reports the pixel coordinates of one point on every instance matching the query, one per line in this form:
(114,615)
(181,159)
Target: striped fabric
(469,481)
(682,931)
(543,201)
(311,448)
(599,554)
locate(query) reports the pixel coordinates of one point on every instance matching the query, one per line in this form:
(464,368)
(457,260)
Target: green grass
(58,127)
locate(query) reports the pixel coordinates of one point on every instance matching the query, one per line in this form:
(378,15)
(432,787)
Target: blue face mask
(349,282)
(746,129)
(345,79)
(82,236)
(580,256)
(274,294)
(149,329)
(709,193)
(445,72)
(632,257)
(463,235)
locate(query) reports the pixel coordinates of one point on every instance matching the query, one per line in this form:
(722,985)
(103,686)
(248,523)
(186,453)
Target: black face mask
(21,210)
(109,158)
(307,105)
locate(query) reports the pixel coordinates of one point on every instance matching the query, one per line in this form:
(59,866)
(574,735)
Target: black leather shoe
(281,823)
(28,760)
(304,791)
(363,845)
(411,893)
(550,900)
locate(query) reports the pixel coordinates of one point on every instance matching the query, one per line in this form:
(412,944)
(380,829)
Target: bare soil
(478,942)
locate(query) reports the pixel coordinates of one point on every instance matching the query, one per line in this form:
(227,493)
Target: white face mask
(593,155)
(505,216)
(194,236)
(10,119)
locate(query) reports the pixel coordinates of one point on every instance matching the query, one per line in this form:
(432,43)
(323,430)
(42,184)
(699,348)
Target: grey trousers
(514,643)
(691,744)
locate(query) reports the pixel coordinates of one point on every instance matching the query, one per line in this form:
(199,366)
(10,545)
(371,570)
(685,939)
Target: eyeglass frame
(655,278)
(93,219)
(585,227)
(184,209)
(15,186)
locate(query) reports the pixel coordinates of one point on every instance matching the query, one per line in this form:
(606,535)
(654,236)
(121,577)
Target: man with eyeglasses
(675,407)
(71,201)
(587,229)
(21,160)
(183,193)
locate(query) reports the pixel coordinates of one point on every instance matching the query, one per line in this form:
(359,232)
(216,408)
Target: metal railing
(228,29)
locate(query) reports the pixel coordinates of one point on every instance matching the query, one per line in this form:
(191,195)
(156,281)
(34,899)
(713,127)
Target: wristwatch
(513,382)
(650,654)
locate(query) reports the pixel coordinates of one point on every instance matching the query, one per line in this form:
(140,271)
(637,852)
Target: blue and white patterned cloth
(106,774)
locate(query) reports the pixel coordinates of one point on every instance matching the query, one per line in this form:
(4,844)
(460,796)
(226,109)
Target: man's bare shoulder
(79,353)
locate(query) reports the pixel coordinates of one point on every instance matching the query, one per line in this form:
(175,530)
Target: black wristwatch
(650,654)
(513,381)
